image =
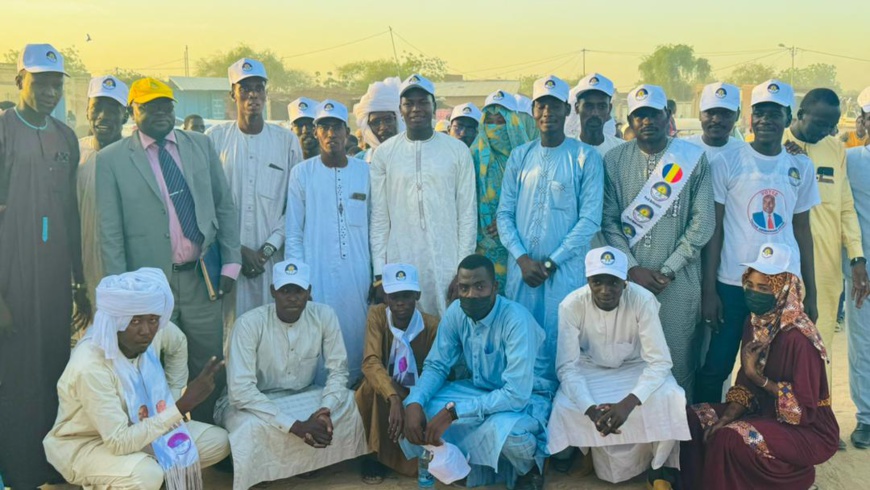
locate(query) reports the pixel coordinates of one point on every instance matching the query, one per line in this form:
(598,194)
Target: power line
(749,61)
(536,61)
(835,55)
(451,68)
(298,55)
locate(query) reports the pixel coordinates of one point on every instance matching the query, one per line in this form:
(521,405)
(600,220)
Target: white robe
(257,168)
(92,259)
(424,211)
(270,375)
(602,357)
(328,229)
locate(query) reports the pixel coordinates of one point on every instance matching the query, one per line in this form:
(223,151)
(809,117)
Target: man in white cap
(720,108)
(858,166)
(327,223)
(40,255)
(762,194)
(465,123)
(424,208)
(121,419)
(859,137)
(617,395)
(301,113)
(107,113)
(835,225)
(257,158)
(593,105)
(398,339)
(658,210)
(550,209)
(281,424)
(377,115)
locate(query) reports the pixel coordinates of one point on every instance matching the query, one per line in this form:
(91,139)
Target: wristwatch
(269,250)
(857,260)
(451,409)
(549,265)
(668,272)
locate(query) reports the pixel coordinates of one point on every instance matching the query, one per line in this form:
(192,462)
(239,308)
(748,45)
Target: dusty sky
(478,38)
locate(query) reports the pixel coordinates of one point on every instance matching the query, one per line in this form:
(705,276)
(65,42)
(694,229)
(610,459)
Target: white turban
(380,97)
(120,298)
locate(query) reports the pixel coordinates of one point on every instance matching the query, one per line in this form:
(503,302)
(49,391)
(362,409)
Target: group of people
(524,286)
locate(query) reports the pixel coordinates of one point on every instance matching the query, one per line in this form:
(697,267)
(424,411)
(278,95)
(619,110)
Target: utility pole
(793,51)
(584,62)
(186,61)
(395,56)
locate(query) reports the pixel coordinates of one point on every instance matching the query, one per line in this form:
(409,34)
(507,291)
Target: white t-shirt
(712,151)
(609,143)
(761,195)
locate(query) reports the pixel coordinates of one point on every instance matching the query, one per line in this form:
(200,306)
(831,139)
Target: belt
(184,267)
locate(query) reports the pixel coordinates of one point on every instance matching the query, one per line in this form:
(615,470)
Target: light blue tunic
(551,201)
(507,396)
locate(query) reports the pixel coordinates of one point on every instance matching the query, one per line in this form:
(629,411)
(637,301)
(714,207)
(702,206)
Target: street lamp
(793,51)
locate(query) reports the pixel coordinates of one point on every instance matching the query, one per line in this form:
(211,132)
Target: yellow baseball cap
(147,89)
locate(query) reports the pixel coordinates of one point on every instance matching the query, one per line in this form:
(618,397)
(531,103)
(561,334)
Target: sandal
(373,472)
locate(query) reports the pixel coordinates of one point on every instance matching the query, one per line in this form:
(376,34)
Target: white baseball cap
(720,95)
(594,81)
(606,260)
(109,86)
(400,277)
(524,104)
(41,58)
(647,96)
(302,107)
(502,98)
(773,258)
(552,86)
(291,272)
(331,109)
(468,110)
(246,68)
(775,91)
(417,81)
(864,100)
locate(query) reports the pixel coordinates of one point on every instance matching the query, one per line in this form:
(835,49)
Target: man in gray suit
(164,202)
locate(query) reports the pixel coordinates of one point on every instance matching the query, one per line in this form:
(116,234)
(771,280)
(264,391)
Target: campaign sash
(661,190)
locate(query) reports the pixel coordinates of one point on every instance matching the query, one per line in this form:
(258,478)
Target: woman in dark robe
(777,423)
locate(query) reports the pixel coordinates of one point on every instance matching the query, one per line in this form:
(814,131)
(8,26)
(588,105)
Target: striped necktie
(180,194)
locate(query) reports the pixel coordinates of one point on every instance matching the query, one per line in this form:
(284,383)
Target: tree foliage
(751,74)
(357,75)
(281,78)
(676,69)
(812,76)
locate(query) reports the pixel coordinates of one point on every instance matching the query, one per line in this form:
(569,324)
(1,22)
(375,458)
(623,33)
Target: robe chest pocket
(357,209)
(270,182)
(492,365)
(560,196)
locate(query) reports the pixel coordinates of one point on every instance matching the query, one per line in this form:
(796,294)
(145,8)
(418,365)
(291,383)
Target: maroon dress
(778,440)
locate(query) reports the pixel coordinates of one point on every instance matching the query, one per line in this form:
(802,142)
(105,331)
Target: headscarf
(119,299)
(524,110)
(786,315)
(380,97)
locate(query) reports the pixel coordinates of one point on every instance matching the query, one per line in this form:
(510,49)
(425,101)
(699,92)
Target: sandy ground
(849,469)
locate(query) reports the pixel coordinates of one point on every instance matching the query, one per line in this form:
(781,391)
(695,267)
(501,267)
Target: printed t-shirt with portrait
(761,195)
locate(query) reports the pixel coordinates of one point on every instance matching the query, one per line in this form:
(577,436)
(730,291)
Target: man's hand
(83,313)
(534,272)
(711,310)
(226,286)
(616,415)
(652,280)
(252,265)
(595,412)
(492,230)
(316,431)
(415,424)
(810,307)
(397,418)
(437,427)
(376,293)
(860,286)
(200,388)
(793,148)
(5,317)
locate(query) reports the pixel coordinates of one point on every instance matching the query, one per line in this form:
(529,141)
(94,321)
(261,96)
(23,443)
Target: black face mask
(476,308)
(759,303)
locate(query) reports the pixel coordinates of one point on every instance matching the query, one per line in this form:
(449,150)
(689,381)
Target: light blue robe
(504,405)
(551,201)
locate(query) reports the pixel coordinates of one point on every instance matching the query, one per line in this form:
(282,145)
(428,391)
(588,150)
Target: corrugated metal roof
(475,88)
(202,84)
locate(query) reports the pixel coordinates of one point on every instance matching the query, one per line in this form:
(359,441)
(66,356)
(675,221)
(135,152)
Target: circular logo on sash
(607,258)
(466,110)
(641,94)
(794,177)
(642,213)
(593,81)
(660,191)
(303,106)
(767,252)
(142,412)
(291,269)
(549,84)
(672,173)
(773,88)
(400,276)
(720,93)
(51,56)
(161,406)
(761,211)
(628,230)
(180,443)
(109,84)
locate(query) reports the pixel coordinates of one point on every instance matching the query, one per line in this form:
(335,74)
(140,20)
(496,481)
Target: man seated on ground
(498,416)
(119,424)
(398,339)
(280,423)
(617,395)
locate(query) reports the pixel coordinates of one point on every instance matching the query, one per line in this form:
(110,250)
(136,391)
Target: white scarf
(380,97)
(401,355)
(119,299)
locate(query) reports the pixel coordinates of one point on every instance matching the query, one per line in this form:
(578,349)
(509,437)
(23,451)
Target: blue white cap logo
(401,276)
(328,107)
(291,269)
(721,93)
(593,81)
(773,88)
(767,252)
(466,110)
(641,94)
(303,106)
(607,258)
(109,84)
(550,84)
(247,66)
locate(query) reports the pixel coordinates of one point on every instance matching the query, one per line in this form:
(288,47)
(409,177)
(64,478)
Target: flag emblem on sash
(672,173)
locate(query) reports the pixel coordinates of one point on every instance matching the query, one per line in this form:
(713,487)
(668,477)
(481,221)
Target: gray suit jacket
(134,229)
